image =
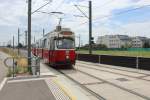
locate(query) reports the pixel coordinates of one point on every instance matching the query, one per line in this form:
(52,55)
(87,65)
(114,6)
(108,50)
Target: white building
(114,41)
(138,42)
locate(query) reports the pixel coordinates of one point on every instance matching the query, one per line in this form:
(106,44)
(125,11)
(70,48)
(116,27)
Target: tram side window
(44,44)
(52,44)
(38,45)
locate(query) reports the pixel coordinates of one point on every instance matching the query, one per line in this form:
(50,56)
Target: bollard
(137,62)
(35,65)
(99,59)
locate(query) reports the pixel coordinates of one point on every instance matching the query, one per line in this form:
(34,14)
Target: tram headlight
(67,57)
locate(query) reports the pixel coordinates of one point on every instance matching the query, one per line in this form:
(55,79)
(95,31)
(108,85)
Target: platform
(51,85)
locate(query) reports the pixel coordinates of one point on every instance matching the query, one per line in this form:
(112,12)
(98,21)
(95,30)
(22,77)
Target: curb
(3,83)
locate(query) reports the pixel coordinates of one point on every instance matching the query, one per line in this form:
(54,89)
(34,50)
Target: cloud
(13,14)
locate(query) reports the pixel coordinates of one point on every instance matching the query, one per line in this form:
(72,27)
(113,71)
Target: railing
(131,62)
(19,66)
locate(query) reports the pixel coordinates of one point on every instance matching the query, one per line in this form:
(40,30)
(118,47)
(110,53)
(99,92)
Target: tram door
(51,51)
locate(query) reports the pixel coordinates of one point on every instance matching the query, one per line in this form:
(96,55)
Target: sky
(106,18)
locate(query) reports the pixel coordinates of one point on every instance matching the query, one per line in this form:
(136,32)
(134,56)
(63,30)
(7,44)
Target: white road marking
(3,83)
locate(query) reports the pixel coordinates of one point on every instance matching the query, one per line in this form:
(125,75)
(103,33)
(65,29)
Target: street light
(89,17)
(50,13)
(29,28)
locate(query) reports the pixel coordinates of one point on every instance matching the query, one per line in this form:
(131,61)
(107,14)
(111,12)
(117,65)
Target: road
(3,69)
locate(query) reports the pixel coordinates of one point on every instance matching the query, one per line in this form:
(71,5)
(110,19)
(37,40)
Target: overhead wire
(81,11)
(116,14)
(119,13)
(123,12)
(106,3)
(40,7)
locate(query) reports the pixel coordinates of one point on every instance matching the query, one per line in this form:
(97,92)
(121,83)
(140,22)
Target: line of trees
(146,45)
(94,46)
(104,47)
(19,45)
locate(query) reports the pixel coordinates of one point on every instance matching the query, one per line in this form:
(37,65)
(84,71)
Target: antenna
(60,21)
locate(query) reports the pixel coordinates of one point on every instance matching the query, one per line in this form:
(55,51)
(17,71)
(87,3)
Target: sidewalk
(33,88)
(3,69)
(27,90)
(51,85)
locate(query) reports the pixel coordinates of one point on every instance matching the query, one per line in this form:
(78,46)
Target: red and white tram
(57,47)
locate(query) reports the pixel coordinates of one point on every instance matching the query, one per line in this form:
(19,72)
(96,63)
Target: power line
(81,6)
(41,7)
(81,11)
(77,6)
(108,16)
(119,13)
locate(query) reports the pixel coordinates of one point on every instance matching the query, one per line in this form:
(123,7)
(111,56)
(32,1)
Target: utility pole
(29,33)
(13,59)
(60,21)
(34,39)
(26,38)
(79,41)
(18,39)
(90,27)
(43,32)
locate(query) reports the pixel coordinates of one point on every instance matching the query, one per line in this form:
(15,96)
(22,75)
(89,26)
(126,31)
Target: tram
(57,47)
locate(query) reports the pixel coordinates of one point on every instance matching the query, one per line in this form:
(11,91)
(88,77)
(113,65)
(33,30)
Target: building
(114,41)
(122,41)
(138,42)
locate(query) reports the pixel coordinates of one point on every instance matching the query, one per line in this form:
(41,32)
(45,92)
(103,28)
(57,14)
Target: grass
(9,51)
(22,63)
(119,53)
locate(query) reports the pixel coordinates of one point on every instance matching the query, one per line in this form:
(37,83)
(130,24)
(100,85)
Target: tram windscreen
(65,44)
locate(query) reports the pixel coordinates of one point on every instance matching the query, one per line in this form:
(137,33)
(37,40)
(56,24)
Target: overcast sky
(13,14)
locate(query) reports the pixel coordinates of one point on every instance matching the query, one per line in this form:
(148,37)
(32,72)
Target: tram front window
(65,44)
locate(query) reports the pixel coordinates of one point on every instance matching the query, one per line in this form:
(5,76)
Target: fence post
(13,67)
(137,62)
(77,56)
(99,59)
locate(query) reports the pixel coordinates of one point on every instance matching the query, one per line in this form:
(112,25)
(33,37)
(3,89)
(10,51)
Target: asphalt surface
(29,90)
(3,69)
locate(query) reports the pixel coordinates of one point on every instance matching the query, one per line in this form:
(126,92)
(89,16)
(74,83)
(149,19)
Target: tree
(9,45)
(102,46)
(20,45)
(146,45)
(126,45)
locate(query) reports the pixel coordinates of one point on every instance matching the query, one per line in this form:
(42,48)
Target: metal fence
(130,62)
(19,65)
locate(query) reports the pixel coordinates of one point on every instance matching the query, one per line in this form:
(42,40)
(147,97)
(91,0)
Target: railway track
(94,93)
(130,91)
(104,81)
(99,97)
(115,68)
(140,78)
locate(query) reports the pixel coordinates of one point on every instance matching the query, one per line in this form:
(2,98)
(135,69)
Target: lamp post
(89,17)
(29,33)
(29,28)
